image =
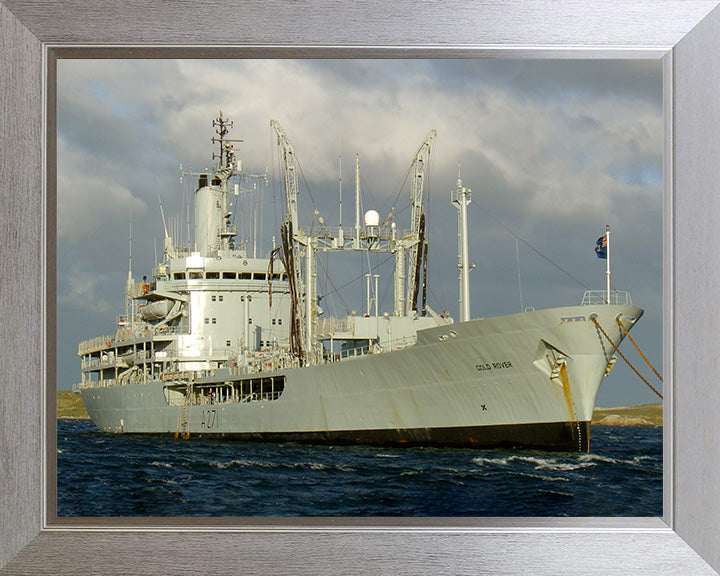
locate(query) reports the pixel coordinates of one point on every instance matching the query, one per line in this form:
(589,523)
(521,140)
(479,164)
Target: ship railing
(332,325)
(94,384)
(128,320)
(183,375)
(140,289)
(375,348)
(95,344)
(333,232)
(93,361)
(199,400)
(162,330)
(201,352)
(600,297)
(398,343)
(349,353)
(109,359)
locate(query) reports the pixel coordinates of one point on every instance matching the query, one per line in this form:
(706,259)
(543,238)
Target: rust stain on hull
(567,392)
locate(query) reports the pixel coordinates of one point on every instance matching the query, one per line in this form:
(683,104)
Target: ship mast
(461,198)
(356,244)
(129,282)
(225,168)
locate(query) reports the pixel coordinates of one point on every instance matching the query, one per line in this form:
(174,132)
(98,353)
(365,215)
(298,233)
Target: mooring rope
(638,349)
(594,320)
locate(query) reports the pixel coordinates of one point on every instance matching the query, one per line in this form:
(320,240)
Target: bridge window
(179,276)
(212,275)
(229,275)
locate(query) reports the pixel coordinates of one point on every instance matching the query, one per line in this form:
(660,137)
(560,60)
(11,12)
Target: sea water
(101,474)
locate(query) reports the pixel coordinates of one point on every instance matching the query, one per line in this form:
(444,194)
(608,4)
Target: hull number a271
(209,419)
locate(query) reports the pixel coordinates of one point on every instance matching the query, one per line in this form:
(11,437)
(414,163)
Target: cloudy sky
(554,150)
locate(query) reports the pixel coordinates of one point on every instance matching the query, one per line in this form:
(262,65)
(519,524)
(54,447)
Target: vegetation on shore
(70,405)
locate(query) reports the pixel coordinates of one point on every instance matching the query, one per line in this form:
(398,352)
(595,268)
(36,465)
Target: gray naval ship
(220,342)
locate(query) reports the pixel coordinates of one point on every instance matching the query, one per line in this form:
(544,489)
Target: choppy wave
(541,477)
(115,475)
(539,463)
(244,463)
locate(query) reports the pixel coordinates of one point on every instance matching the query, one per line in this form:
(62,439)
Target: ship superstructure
(219,342)
(206,307)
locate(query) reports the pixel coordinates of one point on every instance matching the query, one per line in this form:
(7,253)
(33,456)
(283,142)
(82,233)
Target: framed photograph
(682,36)
(125,210)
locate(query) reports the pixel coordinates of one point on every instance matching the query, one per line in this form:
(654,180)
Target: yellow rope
(638,348)
(623,357)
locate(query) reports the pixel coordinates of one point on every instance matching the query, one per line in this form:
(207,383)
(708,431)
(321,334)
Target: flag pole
(607,260)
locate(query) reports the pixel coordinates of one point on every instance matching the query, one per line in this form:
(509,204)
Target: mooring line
(638,349)
(594,320)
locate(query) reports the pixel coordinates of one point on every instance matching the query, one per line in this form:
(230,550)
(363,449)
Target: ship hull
(524,380)
(550,436)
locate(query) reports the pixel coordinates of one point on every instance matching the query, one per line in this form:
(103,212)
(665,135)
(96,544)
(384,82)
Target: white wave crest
(551,463)
(481,461)
(599,458)
(542,477)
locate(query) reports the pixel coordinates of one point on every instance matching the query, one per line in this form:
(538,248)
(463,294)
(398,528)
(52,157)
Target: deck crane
(417,252)
(301,333)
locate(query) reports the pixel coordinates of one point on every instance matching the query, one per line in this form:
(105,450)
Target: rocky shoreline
(642,415)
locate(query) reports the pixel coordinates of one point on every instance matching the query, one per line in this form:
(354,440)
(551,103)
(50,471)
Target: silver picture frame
(685,34)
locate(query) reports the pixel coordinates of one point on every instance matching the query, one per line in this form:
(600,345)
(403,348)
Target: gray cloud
(554,149)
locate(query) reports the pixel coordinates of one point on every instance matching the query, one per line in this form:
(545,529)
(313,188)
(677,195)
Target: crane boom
(417,219)
(300,328)
(291,178)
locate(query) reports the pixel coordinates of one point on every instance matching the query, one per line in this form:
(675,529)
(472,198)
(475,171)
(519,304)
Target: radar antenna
(226,156)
